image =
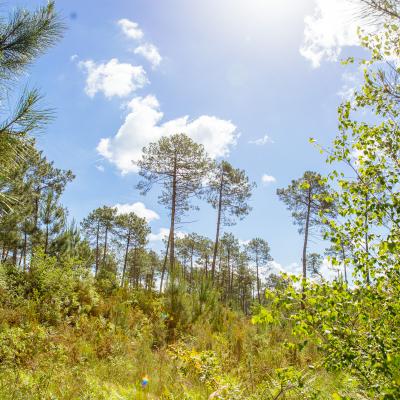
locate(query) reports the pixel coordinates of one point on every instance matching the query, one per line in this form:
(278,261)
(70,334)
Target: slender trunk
(136,268)
(306,234)
(46,243)
(258,281)
(126,256)
(218,226)
(25,249)
(164,266)
(228,280)
(14,257)
(97,247)
(105,246)
(366,236)
(5,255)
(172,228)
(344,263)
(191,266)
(305,247)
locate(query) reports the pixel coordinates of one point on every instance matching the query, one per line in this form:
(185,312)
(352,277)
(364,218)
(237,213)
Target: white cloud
(74,57)
(163,233)
(244,242)
(351,81)
(139,209)
(150,53)
(130,29)
(261,141)
(143,125)
(266,179)
(113,78)
(293,268)
(332,26)
(100,168)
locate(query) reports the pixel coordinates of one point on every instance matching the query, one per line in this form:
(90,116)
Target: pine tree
(179,165)
(258,251)
(228,192)
(133,231)
(309,199)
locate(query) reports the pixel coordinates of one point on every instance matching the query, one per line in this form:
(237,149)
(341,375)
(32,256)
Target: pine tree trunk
(46,243)
(218,227)
(105,246)
(25,249)
(258,281)
(366,236)
(126,257)
(344,263)
(97,248)
(306,234)
(164,265)
(172,228)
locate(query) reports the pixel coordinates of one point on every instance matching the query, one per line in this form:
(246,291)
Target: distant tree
(277,282)
(310,201)
(230,247)
(228,192)
(188,249)
(314,264)
(133,231)
(53,217)
(97,226)
(258,251)
(180,166)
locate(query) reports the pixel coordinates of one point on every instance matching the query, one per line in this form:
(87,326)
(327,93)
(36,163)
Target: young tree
(228,192)
(310,201)
(179,165)
(258,251)
(53,217)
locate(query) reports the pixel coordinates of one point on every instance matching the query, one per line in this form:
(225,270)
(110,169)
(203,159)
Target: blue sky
(230,72)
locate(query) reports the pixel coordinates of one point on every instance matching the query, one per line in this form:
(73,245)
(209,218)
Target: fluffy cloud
(266,179)
(143,124)
(261,141)
(150,53)
(163,233)
(113,78)
(293,268)
(130,29)
(139,209)
(332,26)
(327,270)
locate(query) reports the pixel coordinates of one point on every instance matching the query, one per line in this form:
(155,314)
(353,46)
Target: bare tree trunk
(46,243)
(105,246)
(344,263)
(258,281)
(172,228)
(97,248)
(218,226)
(366,236)
(126,256)
(164,265)
(25,248)
(306,234)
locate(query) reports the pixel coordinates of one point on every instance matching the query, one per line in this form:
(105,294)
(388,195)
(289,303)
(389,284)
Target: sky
(251,80)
